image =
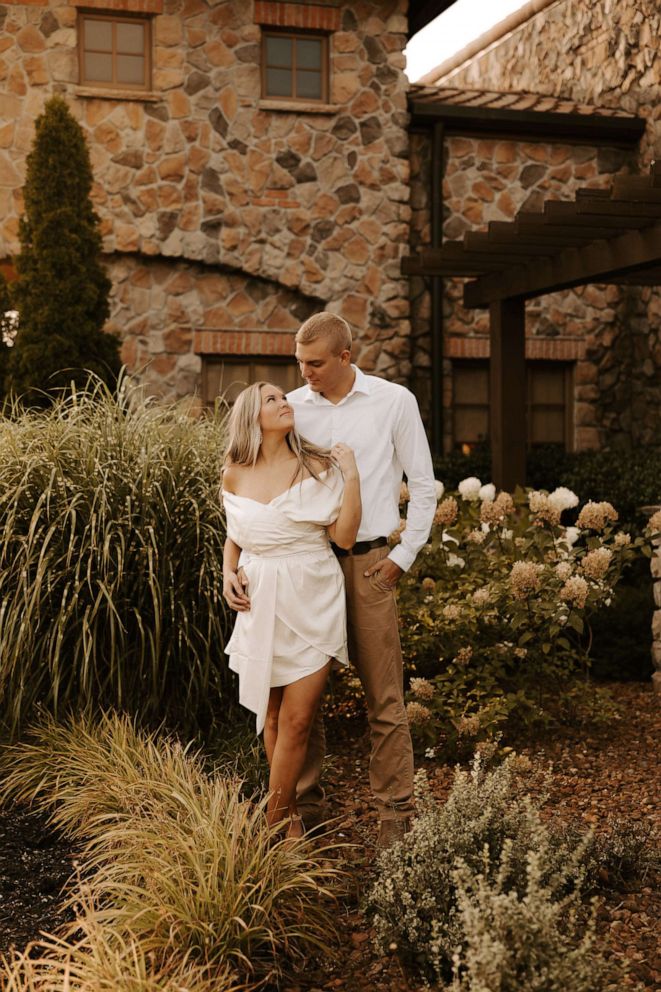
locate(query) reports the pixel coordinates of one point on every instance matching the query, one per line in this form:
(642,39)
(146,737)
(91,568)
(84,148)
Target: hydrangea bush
(496,612)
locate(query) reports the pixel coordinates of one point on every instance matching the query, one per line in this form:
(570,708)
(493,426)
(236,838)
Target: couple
(324,464)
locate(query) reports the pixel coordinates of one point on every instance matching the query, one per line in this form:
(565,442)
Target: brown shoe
(392,832)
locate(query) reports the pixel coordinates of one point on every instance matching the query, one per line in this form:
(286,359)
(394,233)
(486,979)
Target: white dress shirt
(381,421)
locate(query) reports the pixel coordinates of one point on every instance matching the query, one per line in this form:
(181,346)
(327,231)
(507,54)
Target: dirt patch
(34,867)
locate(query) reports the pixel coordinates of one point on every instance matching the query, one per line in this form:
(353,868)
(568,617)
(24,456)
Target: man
(380,420)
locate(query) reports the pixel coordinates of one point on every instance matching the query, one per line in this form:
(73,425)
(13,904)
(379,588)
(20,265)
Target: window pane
(548,385)
(131,39)
(131,69)
(547,426)
(471,424)
(278,51)
(98,35)
(284,376)
(98,68)
(308,84)
(228,379)
(308,53)
(279,82)
(471,385)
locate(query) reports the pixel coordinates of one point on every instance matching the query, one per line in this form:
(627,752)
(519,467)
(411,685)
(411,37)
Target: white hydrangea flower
(563,499)
(487,493)
(572,535)
(440,489)
(455,561)
(469,489)
(506,534)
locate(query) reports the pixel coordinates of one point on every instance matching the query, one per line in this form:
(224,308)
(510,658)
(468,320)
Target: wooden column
(508,392)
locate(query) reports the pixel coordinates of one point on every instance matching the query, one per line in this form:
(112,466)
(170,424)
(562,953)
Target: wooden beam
(598,261)
(507,371)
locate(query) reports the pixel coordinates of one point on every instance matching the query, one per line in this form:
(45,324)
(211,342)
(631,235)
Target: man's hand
(387,574)
(234,590)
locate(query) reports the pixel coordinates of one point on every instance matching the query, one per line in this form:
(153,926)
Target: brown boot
(392,832)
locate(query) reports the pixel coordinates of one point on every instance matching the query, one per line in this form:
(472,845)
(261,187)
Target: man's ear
(345,357)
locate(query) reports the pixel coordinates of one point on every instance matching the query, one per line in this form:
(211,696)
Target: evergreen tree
(62,290)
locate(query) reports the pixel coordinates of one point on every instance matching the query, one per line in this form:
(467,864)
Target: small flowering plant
(495,614)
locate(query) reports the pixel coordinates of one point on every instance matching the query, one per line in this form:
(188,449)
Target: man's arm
(412,449)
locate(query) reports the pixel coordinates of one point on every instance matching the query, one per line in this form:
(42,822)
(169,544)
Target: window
(549,403)
(226,377)
(115,51)
(295,66)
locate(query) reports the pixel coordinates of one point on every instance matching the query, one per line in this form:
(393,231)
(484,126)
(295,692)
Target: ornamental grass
(182,876)
(111,536)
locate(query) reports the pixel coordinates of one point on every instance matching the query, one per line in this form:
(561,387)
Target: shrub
(182,874)
(61,291)
(111,535)
(495,615)
(528,940)
(627,479)
(488,850)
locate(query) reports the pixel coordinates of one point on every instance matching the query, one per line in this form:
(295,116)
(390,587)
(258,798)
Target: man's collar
(360,385)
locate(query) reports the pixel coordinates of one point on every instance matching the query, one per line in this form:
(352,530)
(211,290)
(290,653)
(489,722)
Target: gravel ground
(613,773)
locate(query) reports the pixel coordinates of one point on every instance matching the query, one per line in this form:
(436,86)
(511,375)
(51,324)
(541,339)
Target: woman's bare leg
(271,722)
(297,710)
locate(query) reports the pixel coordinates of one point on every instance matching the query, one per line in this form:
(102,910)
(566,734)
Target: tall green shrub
(111,535)
(62,290)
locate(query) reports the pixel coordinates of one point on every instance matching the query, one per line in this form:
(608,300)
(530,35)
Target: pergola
(604,236)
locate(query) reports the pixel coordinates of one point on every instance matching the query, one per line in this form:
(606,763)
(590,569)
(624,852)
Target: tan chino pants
(375,651)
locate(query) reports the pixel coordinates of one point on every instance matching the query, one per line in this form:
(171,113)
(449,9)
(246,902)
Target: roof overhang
(603,236)
(613,129)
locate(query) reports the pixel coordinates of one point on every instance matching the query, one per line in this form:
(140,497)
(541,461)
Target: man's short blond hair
(329,326)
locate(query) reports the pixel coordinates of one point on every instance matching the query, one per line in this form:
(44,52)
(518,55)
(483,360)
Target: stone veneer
(617,357)
(221,211)
(606,53)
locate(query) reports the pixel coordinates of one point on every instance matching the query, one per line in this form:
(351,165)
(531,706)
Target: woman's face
(276,413)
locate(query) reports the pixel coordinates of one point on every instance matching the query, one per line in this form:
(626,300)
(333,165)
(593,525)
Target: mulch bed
(612,773)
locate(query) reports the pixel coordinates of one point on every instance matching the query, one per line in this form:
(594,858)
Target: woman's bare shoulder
(231,476)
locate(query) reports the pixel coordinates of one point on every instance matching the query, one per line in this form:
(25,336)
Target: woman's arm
(233,590)
(343,530)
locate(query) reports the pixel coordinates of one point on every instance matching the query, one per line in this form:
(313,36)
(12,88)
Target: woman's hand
(345,459)
(234,590)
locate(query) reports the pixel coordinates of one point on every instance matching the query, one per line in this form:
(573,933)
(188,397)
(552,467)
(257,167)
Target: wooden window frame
(235,359)
(325,65)
(568,374)
(114,19)
(568,396)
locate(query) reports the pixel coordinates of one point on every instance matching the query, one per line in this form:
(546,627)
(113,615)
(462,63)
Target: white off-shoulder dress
(297,617)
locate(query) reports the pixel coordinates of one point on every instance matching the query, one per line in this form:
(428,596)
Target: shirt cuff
(402,557)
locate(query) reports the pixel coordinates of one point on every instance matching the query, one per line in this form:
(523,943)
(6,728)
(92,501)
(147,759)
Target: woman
(284,499)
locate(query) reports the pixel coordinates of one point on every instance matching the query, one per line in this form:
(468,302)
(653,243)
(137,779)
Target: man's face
(322,370)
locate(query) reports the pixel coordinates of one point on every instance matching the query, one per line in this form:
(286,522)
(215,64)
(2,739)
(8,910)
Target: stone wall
(489,180)
(605,53)
(309,202)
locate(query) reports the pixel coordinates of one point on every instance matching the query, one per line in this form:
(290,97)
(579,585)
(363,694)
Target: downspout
(436,317)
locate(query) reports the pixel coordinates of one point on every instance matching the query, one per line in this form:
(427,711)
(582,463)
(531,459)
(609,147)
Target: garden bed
(596,777)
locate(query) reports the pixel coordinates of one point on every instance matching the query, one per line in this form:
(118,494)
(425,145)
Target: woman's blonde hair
(245,436)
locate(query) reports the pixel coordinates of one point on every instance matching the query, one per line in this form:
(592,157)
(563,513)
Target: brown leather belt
(360,548)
